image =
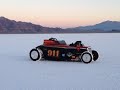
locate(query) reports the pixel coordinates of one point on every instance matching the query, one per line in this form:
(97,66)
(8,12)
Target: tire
(86,57)
(34,55)
(95,55)
(40,53)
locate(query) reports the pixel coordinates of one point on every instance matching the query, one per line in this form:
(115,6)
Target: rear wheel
(95,55)
(35,55)
(86,57)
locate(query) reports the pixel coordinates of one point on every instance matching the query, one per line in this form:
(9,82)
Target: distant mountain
(12,26)
(17,27)
(107,26)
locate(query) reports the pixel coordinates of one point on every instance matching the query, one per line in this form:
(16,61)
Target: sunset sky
(61,13)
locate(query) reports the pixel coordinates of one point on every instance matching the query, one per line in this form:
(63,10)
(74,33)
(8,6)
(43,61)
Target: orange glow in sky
(61,13)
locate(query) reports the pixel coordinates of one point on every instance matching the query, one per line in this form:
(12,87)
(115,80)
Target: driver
(78,43)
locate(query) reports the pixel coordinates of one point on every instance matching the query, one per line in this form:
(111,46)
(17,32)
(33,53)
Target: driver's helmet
(78,43)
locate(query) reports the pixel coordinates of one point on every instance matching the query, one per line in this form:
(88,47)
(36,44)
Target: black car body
(52,49)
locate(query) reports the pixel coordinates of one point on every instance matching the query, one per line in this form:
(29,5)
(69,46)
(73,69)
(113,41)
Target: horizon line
(58,26)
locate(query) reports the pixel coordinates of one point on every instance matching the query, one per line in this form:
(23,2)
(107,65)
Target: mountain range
(12,26)
(18,27)
(106,26)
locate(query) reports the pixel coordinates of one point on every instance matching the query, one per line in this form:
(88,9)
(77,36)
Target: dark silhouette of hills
(11,26)
(106,26)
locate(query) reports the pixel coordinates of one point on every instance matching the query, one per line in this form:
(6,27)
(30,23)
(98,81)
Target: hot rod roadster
(53,49)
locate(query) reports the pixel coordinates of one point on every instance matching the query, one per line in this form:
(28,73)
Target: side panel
(53,53)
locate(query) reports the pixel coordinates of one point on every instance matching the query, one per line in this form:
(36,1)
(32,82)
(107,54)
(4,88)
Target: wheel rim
(34,54)
(86,58)
(40,53)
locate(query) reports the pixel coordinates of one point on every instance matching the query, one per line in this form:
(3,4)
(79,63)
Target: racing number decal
(49,52)
(53,53)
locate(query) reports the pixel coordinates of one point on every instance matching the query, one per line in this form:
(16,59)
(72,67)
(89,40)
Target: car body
(53,49)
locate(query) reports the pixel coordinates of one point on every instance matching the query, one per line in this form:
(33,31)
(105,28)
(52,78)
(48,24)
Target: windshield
(62,42)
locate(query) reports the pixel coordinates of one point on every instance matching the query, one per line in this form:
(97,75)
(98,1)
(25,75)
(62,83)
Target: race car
(53,49)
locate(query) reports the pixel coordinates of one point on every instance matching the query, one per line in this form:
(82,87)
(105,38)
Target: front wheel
(35,55)
(95,55)
(86,57)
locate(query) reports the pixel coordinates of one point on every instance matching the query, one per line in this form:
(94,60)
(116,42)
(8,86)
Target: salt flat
(18,72)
